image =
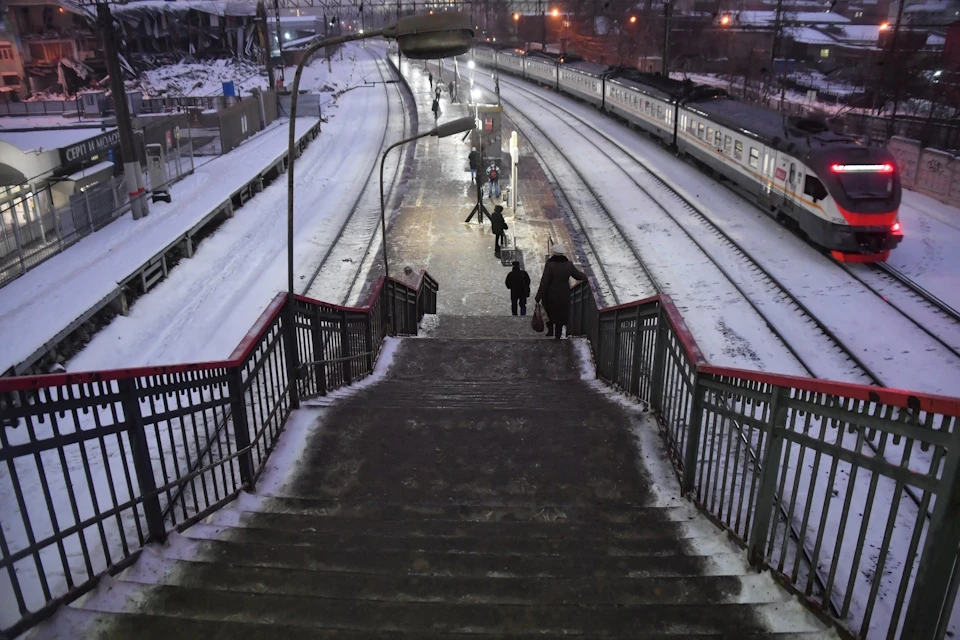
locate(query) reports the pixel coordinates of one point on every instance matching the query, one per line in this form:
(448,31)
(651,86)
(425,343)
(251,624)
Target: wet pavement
(429,230)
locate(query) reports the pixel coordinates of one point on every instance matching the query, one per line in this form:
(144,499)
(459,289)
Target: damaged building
(52,46)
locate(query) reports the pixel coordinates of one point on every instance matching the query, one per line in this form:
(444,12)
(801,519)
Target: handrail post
(694,431)
(368,341)
(637,354)
(345,348)
(291,351)
(928,612)
(770,470)
(616,348)
(319,369)
(659,360)
(241,427)
(141,459)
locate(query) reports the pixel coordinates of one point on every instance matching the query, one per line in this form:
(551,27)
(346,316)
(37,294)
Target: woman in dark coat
(499,227)
(554,291)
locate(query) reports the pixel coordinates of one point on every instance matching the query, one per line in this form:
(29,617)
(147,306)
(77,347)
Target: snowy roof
(861,32)
(307,21)
(42,140)
(808,35)
(89,171)
(934,40)
(215,7)
(807,17)
(927,7)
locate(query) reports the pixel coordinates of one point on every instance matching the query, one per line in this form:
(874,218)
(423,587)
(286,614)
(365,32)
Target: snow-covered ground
(207,78)
(901,354)
(930,252)
(200,312)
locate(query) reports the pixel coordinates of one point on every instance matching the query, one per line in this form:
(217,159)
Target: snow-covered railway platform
(49,303)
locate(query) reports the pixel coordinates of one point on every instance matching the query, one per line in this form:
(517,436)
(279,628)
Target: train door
(794,178)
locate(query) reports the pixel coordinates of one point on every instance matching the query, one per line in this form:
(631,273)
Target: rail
(93,466)
(887,565)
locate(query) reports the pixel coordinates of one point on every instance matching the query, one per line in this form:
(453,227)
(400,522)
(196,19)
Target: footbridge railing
(849,494)
(95,465)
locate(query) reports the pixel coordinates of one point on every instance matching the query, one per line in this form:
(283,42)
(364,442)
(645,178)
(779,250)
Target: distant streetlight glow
(633,19)
(884,26)
(287,35)
(556,13)
(516,17)
(725,20)
(475,93)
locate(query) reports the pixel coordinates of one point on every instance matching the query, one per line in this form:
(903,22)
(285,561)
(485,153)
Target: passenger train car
(842,195)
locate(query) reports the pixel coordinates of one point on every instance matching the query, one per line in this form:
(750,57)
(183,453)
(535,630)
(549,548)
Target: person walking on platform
(437,92)
(450,90)
(518,281)
(436,108)
(474,163)
(430,78)
(554,290)
(499,226)
(493,173)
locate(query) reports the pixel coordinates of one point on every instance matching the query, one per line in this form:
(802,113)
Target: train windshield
(865,182)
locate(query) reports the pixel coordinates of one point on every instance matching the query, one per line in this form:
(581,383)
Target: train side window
(669,115)
(738,150)
(814,188)
(727,141)
(709,134)
(754,157)
(717,140)
(700,131)
(793,173)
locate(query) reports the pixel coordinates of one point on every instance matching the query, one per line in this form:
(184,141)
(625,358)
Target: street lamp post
(419,37)
(441,131)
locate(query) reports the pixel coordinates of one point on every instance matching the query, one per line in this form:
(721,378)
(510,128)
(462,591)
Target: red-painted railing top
(240,353)
(944,405)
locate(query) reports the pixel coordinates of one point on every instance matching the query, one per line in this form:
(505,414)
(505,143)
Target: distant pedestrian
(474,163)
(436,108)
(518,281)
(493,175)
(430,78)
(437,93)
(554,290)
(450,90)
(499,226)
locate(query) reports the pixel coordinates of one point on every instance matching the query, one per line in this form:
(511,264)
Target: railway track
(343,262)
(760,289)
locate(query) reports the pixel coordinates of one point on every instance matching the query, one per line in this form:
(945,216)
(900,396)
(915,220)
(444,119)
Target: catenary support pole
(131,166)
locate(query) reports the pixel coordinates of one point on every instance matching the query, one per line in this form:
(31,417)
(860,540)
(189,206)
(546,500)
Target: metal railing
(95,465)
(811,477)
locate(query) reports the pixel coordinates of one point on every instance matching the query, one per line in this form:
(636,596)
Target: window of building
(754,157)
(6,52)
(11,80)
(738,150)
(814,188)
(825,52)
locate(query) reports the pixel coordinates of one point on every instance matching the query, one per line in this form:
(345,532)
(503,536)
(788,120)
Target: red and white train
(844,196)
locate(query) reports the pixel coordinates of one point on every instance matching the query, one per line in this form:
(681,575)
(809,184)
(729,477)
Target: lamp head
(454,127)
(439,35)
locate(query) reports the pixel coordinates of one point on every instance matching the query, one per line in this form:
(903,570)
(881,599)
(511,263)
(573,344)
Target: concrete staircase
(481,489)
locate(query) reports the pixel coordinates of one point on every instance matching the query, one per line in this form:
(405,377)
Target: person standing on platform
(554,290)
(499,226)
(474,163)
(430,78)
(437,93)
(436,108)
(493,174)
(518,281)
(450,90)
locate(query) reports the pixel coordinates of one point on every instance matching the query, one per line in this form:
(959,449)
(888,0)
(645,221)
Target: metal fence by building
(847,493)
(95,465)
(31,230)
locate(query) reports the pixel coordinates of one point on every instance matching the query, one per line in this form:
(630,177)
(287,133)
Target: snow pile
(199,78)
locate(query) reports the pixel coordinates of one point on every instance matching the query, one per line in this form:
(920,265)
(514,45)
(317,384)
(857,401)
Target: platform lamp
(444,130)
(423,37)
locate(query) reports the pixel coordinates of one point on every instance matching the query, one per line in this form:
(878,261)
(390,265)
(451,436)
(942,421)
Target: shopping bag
(536,323)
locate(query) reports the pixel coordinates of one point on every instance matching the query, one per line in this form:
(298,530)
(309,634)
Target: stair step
(334,613)
(71,623)
(377,540)
(583,590)
(503,511)
(484,327)
(387,562)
